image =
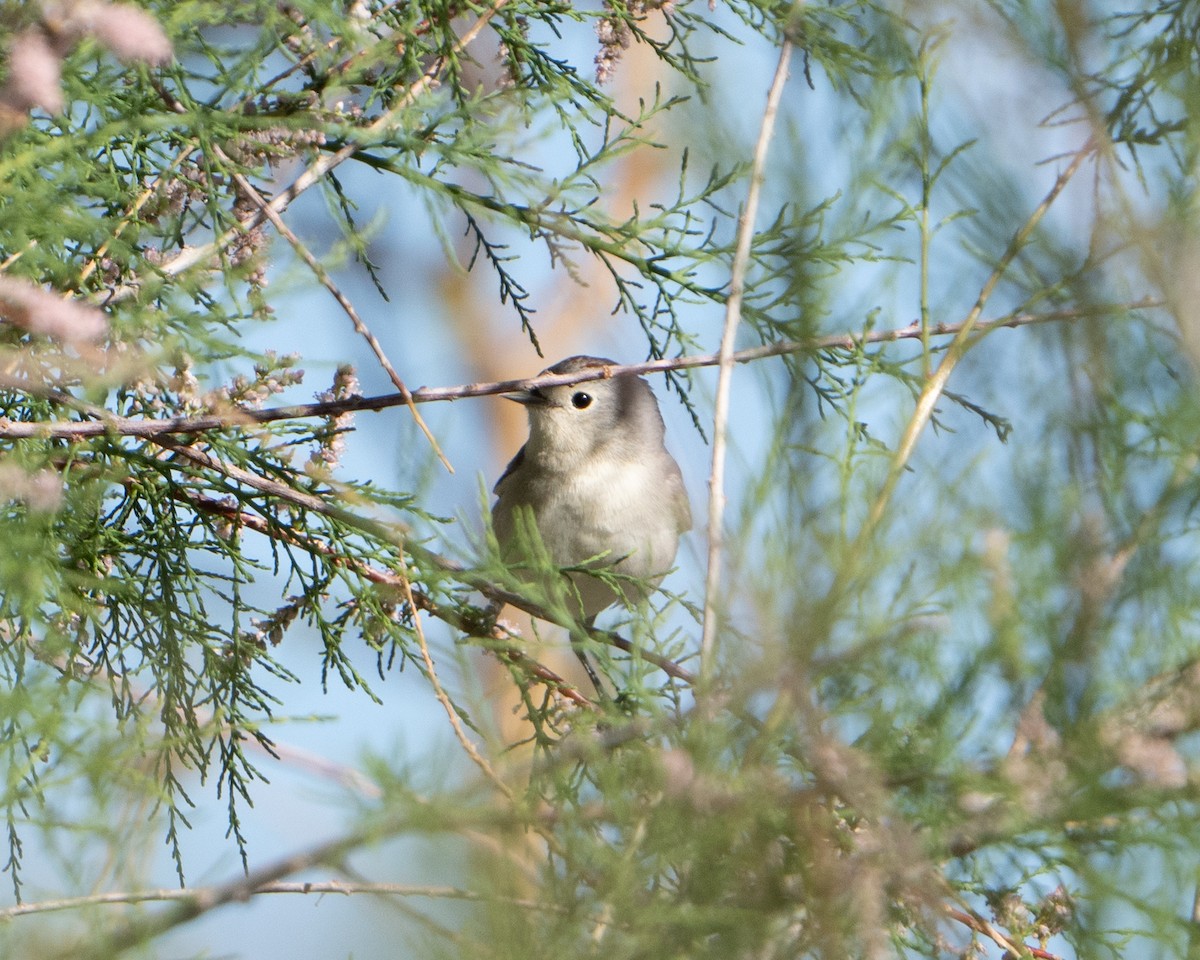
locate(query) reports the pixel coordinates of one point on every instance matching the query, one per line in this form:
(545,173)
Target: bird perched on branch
(595,486)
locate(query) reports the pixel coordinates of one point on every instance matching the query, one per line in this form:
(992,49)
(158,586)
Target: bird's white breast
(616,507)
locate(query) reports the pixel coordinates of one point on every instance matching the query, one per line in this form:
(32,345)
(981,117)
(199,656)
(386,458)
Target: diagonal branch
(962,341)
(343,301)
(505,646)
(145,928)
(976,923)
(316,171)
(439,691)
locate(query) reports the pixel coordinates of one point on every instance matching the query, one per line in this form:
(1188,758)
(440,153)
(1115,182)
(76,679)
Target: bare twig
(538,671)
(936,383)
(201,901)
(665,664)
(505,643)
(317,765)
(1193,945)
(438,691)
(344,302)
(979,925)
(14,257)
(417,599)
(104,423)
(316,171)
(733,312)
(142,199)
(273,488)
(306,887)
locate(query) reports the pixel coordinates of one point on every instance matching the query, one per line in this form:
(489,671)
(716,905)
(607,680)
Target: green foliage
(955,675)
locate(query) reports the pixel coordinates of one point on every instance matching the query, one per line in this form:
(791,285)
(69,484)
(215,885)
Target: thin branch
(665,664)
(143,198)
(201,901)
(1193,944)
(317,765)
(936,384)
(14,257)
(537,670)
(438,691)
(979,925)
(109,424)
(272,488)
(306,887)
(506,643)
(343,301)
(316,171)
(418,599)
(733,313)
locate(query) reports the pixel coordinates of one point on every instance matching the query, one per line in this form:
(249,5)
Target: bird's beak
(525,397)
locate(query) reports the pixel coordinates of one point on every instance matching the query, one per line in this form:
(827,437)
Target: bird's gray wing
(513,465)
(679,497)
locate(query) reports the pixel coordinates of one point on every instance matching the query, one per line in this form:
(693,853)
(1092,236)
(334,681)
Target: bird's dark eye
(581,400)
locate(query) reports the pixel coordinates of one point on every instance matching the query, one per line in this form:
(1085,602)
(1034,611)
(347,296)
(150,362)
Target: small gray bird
(598,482)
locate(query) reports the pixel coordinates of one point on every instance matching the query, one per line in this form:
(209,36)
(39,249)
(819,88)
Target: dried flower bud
(1009,910)
(614,36)
(332,444)
(1054,913)
(34,74)
(40,311)
(345,382)
(186,385)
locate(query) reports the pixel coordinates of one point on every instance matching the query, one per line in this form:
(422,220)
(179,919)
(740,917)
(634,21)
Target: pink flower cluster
(35,53)
(38,310)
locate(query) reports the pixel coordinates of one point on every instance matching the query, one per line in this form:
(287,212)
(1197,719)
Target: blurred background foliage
(952,705)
